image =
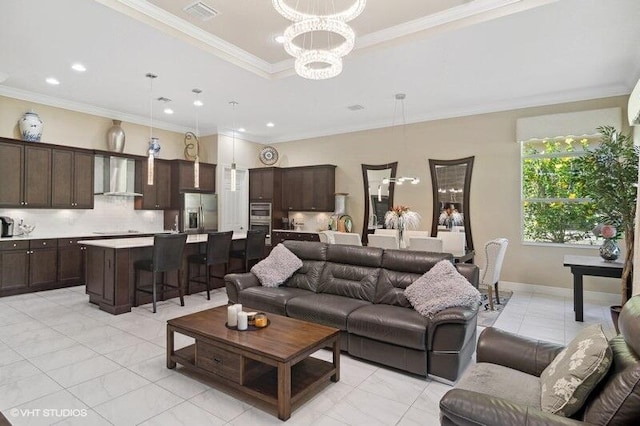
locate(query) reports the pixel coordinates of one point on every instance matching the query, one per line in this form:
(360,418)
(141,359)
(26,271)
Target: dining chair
(167,256)
(431,244)
(494,251)
(383,231)
(252,249)
(383,241)
(347,238)
(453,242)
(217,253)
(327,237)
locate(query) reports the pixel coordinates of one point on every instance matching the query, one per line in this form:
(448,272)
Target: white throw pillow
(440,288)
(575,372)
(277,267)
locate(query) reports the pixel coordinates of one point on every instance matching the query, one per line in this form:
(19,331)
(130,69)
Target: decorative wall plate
(269,156)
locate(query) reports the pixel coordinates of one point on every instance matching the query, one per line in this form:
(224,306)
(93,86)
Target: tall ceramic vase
(30,127)
(115,137)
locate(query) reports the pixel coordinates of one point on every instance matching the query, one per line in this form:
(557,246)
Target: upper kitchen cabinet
(309,188)
(183,176)
(158,195)
(25,174)
(265,183)
(72,179)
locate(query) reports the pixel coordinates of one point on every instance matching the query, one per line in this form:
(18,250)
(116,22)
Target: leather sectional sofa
(359,290)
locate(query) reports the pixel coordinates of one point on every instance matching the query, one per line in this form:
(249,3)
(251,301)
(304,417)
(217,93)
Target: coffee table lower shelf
(307,377)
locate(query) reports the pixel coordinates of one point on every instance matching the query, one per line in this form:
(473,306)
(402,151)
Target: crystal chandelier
(402,179)
(313,61)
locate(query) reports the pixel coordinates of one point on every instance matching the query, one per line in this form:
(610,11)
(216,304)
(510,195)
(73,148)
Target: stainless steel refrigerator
(199,212)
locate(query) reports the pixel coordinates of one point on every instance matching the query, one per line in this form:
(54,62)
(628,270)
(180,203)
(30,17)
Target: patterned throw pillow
(277,267)
(575,372)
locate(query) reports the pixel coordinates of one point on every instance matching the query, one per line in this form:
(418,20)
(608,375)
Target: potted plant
(610,176)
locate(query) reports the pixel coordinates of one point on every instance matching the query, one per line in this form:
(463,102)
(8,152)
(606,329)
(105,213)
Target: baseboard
(596,296)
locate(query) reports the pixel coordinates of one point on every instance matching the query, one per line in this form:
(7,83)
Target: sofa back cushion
(400,268)
(313,256)
(351,271)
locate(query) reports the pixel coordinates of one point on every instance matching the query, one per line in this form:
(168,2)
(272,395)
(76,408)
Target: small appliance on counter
(7,226)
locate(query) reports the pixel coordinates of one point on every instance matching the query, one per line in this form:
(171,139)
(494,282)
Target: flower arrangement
(608,232)
(401,217)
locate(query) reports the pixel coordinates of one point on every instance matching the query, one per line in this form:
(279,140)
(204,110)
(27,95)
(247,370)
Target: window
(554,208)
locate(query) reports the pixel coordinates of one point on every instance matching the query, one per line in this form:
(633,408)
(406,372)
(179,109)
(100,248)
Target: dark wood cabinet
(14,266)
(43,263)
(262,184)
(71,262)
(183,176)
(279,236)
(25,175)
(72,179)
(158,195)
(309,188)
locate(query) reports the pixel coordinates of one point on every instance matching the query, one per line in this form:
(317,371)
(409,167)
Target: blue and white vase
(30,127)
(154,146)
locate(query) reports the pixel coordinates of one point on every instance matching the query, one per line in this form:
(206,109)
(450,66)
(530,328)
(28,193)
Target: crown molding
(24,95)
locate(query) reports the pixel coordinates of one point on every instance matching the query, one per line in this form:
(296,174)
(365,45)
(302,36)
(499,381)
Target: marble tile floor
(65,362)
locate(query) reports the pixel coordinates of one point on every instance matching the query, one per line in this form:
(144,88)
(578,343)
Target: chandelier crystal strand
(319,24)
(233,158)
(295,15)
(150,159)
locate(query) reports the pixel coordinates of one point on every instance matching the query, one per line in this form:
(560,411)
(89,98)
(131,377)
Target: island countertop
(126,243)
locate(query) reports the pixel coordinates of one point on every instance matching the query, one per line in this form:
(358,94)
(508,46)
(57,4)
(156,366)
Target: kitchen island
(110,274)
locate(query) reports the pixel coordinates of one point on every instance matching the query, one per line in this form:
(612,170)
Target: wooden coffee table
(272,364)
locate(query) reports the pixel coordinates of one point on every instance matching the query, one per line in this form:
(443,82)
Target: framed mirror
(378,196)
(451,185)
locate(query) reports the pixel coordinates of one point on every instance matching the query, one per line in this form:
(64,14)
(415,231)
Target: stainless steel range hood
(115,176)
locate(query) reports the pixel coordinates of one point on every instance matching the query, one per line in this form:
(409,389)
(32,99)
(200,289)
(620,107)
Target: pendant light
(233,147)
(196,165)
(414,180)
(150,159)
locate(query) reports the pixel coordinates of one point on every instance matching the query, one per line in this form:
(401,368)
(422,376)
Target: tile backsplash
(312,221)
(110,213)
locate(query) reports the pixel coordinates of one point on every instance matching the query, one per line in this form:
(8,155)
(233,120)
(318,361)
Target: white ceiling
(453,58)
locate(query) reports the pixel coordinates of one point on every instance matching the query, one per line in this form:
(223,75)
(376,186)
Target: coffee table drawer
(219,361)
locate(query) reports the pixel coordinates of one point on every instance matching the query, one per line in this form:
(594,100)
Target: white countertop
(293,230)
(56,235)
(126,243)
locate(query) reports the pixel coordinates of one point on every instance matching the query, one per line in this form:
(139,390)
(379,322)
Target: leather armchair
(615,401)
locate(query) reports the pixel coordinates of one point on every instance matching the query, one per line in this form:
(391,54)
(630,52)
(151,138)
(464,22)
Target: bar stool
(167,256)
(253,248)
(218,247)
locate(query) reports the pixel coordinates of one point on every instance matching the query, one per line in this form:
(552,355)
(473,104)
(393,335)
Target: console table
(588,265)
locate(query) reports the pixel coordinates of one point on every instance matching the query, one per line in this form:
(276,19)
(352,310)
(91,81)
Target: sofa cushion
(327,309)
(355,255)
(502,382)
(270,299)
(277,267)
(313,255)
(440,288)
(391,324)
(400,269)
(575,372)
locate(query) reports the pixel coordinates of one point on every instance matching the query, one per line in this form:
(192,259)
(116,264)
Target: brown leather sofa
(615,401)
(359,290)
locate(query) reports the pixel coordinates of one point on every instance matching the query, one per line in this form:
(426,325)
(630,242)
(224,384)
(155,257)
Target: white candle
(232,316)
(238,307)
(243,321)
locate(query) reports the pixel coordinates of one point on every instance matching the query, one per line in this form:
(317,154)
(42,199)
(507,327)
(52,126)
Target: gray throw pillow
(575,372)
(277,267)
(440,288)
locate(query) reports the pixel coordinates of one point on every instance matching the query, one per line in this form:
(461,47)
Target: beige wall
(495,187)
(70,128)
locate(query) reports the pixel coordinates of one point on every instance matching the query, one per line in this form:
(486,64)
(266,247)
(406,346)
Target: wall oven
(260,217)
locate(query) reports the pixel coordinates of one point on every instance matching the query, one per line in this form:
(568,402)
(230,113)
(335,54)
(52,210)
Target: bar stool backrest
(255,244)
(218,247)
(167,251)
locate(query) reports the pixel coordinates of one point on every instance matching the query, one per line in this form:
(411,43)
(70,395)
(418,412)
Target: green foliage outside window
(555,207)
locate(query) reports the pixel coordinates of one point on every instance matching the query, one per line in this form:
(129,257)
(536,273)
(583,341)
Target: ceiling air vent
(355,107)
(201,11)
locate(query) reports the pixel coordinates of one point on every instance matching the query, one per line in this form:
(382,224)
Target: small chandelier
(192,149)
(152,143)
(402,179)
(313,62)
(233,149)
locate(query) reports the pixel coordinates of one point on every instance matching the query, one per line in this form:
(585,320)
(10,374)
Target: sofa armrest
(450,328)
(464,407)
(235,283)
(520,353)
(470,271)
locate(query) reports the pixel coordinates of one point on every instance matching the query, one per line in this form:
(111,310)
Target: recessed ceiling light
(52,81)
(168,111)
(279,39)
(78,67)
(242,129)
(198,102)
(270,124)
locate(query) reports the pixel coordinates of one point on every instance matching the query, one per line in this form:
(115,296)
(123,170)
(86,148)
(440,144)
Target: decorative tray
(249,328)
